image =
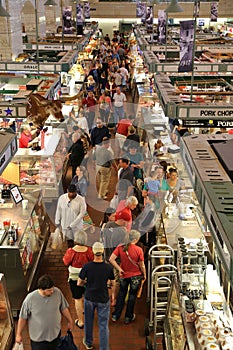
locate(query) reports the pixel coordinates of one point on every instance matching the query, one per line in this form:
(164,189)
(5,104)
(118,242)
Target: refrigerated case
(40,169)
(6,319)
(19,262)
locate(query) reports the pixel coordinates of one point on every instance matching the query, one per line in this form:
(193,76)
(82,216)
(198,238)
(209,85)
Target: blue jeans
(133,284)
(118,114)
(103,311)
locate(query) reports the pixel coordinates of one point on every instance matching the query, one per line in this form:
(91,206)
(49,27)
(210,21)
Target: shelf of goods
(20,256)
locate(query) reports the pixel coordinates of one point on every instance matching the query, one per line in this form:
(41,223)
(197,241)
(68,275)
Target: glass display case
(6,319)
(40,169)
(174,329)
(19,259)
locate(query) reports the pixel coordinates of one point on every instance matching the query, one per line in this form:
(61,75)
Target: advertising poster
(186,46)
(87,10)
(214,12)
(67,20)
(162,19)
(79,14)
(149,18)
(140,9)
(196,9)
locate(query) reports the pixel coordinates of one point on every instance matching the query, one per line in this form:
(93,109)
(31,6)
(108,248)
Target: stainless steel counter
(174,227)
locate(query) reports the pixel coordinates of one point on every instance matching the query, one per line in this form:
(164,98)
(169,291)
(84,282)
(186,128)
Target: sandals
(77,324)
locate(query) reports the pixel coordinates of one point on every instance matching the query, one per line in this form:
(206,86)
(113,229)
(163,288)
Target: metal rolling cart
(158,254)
(160,269)
(161,281)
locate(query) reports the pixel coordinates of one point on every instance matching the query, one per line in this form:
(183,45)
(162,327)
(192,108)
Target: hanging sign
(186,46)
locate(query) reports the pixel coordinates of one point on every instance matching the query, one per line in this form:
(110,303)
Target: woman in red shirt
(25,138)
(75,258)
(132,270)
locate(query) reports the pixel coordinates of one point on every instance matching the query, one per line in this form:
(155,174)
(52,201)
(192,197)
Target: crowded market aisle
(122,336)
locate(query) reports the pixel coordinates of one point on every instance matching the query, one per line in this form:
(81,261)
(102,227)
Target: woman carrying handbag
(75,258)
(132,270)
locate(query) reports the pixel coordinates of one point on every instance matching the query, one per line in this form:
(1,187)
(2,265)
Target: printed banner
(214,12)
(149,18)
(196,9)
(162,20)
(140,9)
(87,9)
(186,46)
(67,20)
(79,14)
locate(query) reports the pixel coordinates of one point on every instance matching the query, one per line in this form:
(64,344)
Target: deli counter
(42,169)
(23,237)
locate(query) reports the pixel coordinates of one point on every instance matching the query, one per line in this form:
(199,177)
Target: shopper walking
(125,184)
(71,208)
(75,258)
(42,309)
(80,180)
(76,152)
(127,206)
(119,99)
(98,277)
(90,103)
(132,270)
(104,160)
(98,133)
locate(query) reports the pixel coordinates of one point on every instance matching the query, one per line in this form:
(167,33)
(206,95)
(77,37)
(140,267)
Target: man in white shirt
(119,99)
(71,208)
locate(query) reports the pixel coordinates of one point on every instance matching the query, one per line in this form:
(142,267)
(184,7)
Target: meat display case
(39,169)
(6,319)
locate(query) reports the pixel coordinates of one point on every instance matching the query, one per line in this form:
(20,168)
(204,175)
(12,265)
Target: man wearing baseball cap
(98,277)
(115,233)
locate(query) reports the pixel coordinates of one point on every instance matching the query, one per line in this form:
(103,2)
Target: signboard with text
(205,113)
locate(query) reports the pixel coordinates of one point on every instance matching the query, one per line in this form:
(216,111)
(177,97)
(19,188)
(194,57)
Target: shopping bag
(114,202)
(67,342)
(18,346)
(56,239)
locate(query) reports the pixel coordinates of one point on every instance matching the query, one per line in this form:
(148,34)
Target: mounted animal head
(39,109)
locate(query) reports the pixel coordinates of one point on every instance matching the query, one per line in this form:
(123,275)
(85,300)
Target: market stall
(201,285)
(33,169)
(24,235)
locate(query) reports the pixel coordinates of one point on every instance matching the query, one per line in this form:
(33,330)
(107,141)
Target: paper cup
(25,203)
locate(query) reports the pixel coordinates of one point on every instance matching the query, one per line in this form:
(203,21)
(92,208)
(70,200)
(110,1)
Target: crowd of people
(111,271)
